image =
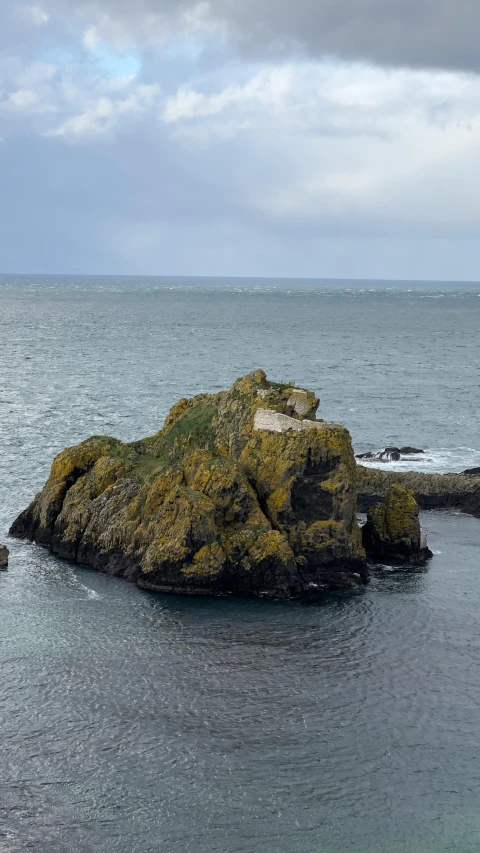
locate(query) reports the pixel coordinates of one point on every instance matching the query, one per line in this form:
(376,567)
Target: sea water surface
(137,723)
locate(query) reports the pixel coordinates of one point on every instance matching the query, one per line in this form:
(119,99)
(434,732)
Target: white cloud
(96,119)
(268,89)
(33,16)
(314,141)
(61,101)
(198,19)
(91,39)
(103,115)
(27,102)
(30,89)
(23,99)
(36,73)
(351,146)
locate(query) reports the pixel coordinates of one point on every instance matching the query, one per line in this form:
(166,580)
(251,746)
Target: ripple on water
(136,722)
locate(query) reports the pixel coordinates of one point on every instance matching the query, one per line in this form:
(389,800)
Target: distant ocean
(138,722)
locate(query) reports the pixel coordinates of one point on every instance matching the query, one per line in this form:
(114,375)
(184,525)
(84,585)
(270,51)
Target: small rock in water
(392,533)
(390,454)
(4,552)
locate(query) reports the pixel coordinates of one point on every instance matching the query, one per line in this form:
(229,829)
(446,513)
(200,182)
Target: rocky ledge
(432,491)
(241,492)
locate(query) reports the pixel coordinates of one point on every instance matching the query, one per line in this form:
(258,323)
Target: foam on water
(433,461)
(90,592)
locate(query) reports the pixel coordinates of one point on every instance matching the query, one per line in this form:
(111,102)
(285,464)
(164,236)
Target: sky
(292,138)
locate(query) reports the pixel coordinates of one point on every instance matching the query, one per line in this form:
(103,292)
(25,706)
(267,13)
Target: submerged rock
(392,533)
(241,492)
(389,454)
(4,554)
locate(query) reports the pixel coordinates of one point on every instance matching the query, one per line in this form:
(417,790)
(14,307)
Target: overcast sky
(304,138)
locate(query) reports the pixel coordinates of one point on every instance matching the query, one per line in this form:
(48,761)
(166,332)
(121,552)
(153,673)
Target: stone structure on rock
(392,533)
(4,554)
(241,492)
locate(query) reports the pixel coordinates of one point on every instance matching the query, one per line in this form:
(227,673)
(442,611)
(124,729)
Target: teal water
(137,722)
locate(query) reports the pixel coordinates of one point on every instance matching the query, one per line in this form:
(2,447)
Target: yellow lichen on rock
(392,533)
(208,561)
(306,482)
(78,460)
(209,503)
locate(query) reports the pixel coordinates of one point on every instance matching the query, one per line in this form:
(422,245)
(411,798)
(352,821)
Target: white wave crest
(432,461)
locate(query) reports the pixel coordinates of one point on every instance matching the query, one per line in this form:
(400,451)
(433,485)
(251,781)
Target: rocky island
(241,492)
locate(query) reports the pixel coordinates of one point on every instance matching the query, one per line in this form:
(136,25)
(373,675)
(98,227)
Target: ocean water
(137,723)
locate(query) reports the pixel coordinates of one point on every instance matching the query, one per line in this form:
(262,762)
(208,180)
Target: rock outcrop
(392,533)
(4,554)
(432,491)
(241,492)
(390,454)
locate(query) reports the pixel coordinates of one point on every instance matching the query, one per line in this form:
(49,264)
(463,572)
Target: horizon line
(360,280)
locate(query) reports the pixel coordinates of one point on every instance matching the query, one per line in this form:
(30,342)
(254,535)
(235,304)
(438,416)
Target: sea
(134,722)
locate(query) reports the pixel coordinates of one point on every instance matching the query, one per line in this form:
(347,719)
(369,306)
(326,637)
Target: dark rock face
(472,472)
(392,533)
(4,554)
(432,491)
(241,492)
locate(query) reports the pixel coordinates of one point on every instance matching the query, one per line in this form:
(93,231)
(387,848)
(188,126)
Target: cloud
(103,115)
(411,33)
(33,16)
(228,127)
(30,91)
(36,73)
(23,99)
(91,39)
(59,101)
(267,89)
(339,148)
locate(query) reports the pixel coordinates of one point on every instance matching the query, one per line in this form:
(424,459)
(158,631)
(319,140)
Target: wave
(70,574)
(433,461)
(352,288)
(90,592)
